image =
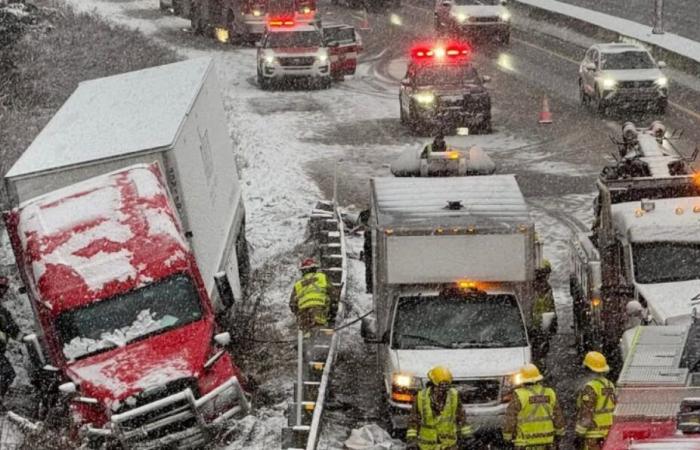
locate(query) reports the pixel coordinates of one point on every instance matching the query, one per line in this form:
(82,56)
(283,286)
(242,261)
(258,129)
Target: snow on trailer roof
(117,115)
(671,220)
(105,235)
(486,199)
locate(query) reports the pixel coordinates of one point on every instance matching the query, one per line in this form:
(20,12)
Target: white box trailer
(172,114)
(453,264)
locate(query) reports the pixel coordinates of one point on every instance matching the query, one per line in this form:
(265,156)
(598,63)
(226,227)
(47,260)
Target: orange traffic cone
(545,115)
(364,25)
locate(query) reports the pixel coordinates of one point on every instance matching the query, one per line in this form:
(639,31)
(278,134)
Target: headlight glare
(269,59)
(461,17)
(609,83)
(424,98)
(505,16)
(662,82)
(322,57)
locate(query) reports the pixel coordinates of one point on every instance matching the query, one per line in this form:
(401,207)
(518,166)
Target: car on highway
(290,51)
(473,18)
(442,88)
(622,75)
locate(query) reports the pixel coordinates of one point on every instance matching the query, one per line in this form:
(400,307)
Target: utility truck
(453,262)
(643,251)
(173,115)
(125,329)
(658,390)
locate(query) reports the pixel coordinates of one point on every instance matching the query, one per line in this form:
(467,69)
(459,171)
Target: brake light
(281,22)
(440,52)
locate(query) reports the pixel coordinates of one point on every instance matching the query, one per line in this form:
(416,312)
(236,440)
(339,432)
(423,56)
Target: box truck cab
(122,314)
(453,263)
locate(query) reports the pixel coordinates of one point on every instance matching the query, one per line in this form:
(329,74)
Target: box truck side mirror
(224,288)
(368,329)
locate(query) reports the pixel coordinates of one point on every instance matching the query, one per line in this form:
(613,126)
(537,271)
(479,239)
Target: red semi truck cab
(122,312)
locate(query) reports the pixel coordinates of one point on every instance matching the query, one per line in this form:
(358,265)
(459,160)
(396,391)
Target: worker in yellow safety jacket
(595,404)
(313,298)
(437,420)
(533,419)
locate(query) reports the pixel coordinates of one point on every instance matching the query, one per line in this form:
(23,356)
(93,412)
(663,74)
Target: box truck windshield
(152,309)
(457,321)
(666,262)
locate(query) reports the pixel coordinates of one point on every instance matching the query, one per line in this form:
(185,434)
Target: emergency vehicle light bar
(281,22)
(440,52)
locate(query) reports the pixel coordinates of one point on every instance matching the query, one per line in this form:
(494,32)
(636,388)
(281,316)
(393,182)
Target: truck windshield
(294,39)
(473,321)
(627,61)
(115,322)
(447,74)
(665,262)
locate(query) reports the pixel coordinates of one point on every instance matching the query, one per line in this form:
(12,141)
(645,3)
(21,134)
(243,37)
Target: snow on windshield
(121,319)
(627,61)
(665,262)
(294,39)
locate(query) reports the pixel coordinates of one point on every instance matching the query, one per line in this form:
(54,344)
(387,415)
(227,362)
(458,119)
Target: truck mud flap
(316,351)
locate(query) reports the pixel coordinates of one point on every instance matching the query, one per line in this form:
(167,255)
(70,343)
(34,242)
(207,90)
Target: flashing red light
(281,22)
(452,51)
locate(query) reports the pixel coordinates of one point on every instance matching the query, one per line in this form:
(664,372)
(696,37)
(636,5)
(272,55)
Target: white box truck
(453,263)
(171,114)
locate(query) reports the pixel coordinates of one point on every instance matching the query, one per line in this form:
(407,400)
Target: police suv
(443,89)
(289,51)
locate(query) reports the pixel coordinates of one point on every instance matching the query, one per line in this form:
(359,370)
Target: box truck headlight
(609,83)
(510,382)
(662,82)
(403,387)
(257,13)
(505,15)
(425,98)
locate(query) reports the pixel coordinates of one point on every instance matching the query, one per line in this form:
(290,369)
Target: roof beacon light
(464,284)
(453,154)
(451,51)
(454,205)
(648,205)
(679,211)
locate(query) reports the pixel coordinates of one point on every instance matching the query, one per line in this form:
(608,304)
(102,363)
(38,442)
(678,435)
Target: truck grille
(451,101)
(484,19)
(478,391)
(297,61)
(159,414)
(644,84)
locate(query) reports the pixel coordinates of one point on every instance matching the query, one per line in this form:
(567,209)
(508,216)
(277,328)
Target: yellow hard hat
(596,362)
(530,374)
(546,264)
(440,374)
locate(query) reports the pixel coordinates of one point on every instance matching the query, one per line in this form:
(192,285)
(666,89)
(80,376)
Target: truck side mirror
(368,329)
(223,339)
(224,288)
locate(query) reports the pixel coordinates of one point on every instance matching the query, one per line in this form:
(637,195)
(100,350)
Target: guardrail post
(658,17)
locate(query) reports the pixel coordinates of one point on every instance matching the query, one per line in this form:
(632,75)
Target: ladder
(316,352)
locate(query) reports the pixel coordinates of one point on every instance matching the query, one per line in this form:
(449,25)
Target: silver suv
(622,75)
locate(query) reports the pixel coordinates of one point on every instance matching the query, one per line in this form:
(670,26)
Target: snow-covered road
(289,144)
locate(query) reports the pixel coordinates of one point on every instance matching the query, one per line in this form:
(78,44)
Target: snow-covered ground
(280,139)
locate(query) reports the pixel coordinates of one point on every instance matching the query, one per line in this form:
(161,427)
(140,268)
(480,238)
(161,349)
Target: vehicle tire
(505,38)
(413,121)
(661,107)
(262,82)
(326,82)
(232,27)
(486,127)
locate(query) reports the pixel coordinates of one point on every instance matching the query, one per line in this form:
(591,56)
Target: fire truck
(344,45)
(658,391)
(242,21)
(643,250)
(442,88)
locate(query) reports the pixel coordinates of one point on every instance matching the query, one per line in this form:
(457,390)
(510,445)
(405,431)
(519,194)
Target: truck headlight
(322,58)
(424,98)
(270,60)
(257,13)
(505,16)
(403,387)
(461,17)
(662,82)
(609,83)
(510,382)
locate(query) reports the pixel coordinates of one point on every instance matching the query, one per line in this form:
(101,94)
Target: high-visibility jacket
(536,416)
(603,408)
(312,291)
(438,432)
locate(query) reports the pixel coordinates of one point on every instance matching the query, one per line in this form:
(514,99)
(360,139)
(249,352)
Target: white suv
(288,52)
(473,19)
(622,75)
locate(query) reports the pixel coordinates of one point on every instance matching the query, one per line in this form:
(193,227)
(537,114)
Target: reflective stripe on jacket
(437,433)
(596,414)
(536,416)
(312,291)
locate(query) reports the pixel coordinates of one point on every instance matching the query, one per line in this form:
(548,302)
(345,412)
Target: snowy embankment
(685,51)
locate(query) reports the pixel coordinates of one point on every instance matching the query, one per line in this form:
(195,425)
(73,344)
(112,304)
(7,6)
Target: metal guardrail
(303,432)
